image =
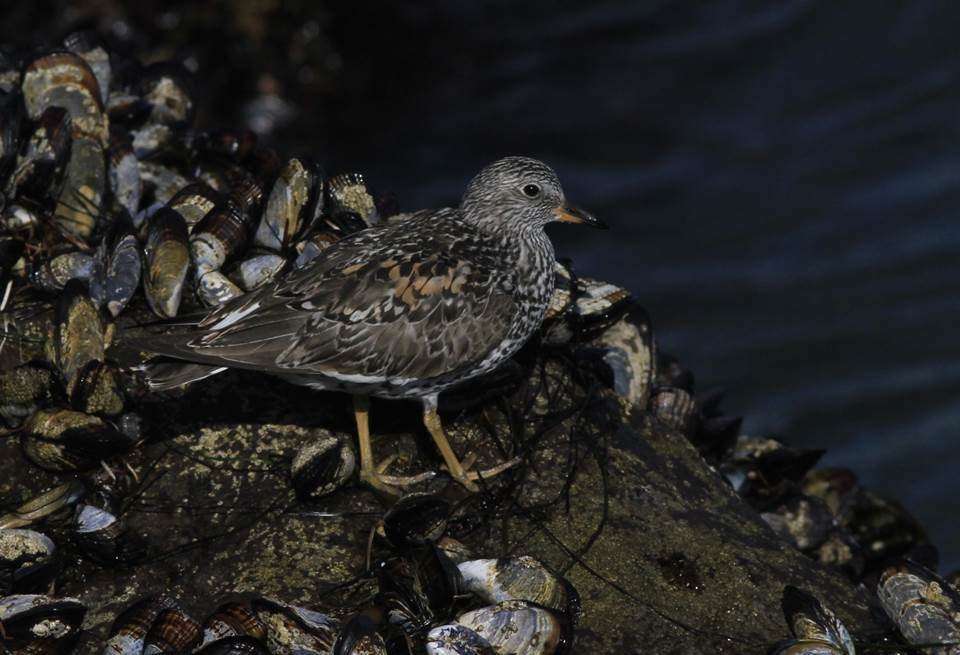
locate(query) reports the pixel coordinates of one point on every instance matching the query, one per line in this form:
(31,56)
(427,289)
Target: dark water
(782,180)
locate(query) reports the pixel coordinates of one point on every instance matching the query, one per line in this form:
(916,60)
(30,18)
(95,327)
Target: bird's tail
(166,374)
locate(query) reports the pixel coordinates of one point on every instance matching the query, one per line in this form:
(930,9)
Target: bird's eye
(531,190)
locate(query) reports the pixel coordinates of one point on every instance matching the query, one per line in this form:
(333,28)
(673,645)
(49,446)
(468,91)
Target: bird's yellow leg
(432,422)
(369,472)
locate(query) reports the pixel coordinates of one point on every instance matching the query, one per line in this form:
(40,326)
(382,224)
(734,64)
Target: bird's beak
(568,213)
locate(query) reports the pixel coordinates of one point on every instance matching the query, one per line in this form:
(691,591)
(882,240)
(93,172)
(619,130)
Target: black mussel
(27,561)
(233,620)
(839,550)
(716,436)
(124,174)
(12,116)
(676,409)
(77,335)
(234,646)
(40,168)
(165,86)
(517,578)
(26,388)
(582,307)
(520,628)
(360,637)
(802,521)
(883,528)
(99,534)
(293,629)
(348,194)
(173,632)
(49,504)
(323,466)
(809,620)
(80,207)
(924,606)
(454,639)
(118,267)
(416,519)
(129,629)
(418,586)
(194,202)
(40,624)
(218,238)
(221,235)
(98,390)
(88,45)
(295,201)
(761,469)
(63,79)
(167,260)
(52,275)
(64,440)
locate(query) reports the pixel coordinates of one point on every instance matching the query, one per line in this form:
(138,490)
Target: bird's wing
(386,304)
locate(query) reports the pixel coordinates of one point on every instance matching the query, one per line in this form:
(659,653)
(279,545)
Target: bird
(401,310)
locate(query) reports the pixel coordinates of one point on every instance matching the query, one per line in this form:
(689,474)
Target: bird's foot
(393,485)
(469,477)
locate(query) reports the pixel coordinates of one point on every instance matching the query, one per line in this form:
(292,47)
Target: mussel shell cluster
(436,595)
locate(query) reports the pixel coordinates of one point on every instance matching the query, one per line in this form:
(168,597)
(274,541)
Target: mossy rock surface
(665,556)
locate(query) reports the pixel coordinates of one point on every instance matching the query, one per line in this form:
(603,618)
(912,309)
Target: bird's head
(520,193)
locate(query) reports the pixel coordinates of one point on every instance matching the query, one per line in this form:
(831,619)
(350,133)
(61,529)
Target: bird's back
(401,309)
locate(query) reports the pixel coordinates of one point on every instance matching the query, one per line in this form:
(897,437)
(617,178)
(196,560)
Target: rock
(660,548)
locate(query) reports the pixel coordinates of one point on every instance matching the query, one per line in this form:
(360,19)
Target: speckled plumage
(404,309)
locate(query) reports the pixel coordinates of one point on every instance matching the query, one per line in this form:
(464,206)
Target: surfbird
(404,309)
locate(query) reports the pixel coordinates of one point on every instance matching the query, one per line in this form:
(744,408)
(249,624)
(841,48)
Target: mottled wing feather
(378,306)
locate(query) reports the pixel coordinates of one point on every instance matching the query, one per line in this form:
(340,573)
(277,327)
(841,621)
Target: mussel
(416,519)
(66,440)
(40,624)
(77,335)
(167,260)
(294,201)
(172,632)
(924,606)
(26,388)
(520,628)
(360,637)
(292,629)
(323,466)
(99,534)
(47,504)
(27,560)
(455,639)
(130,628)
(516,578)
(233,620)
